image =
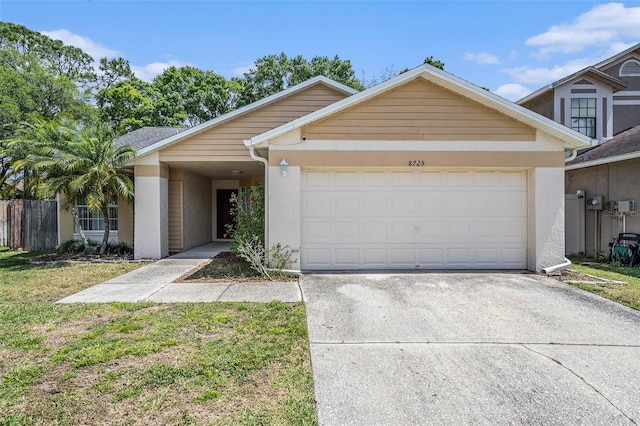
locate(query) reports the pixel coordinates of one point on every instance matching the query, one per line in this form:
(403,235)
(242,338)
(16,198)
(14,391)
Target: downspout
(255,156)
(557,268)
(574,154)
(567,263)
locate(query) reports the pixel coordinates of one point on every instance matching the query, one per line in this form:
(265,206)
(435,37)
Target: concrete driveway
(469,349)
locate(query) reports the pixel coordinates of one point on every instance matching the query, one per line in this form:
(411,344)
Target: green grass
(626,294)
(144,363)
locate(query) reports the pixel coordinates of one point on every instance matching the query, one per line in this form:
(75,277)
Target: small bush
(76,247)
(72,247)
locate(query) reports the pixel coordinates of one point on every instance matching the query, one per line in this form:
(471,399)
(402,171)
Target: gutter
(574,154)
(605,160)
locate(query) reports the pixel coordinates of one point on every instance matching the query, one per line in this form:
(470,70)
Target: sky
(510,47)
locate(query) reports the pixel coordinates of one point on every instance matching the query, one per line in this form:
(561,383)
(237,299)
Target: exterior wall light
(283,167)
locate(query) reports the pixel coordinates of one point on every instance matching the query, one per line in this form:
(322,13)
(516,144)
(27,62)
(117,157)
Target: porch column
(151,231)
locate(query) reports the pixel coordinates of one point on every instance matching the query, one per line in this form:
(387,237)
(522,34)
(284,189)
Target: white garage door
(414,220)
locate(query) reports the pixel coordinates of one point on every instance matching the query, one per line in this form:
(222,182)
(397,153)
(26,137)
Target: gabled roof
(571,138)
(615,83)
(145,136)
(620,55)
(248,108)
(624,146)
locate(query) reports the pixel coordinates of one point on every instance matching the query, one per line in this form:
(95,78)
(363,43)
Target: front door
(223,197)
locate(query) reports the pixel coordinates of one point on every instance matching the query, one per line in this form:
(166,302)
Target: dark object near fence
(30,225)
(625,249)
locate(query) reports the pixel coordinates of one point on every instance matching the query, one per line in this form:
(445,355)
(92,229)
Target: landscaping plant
(247,233)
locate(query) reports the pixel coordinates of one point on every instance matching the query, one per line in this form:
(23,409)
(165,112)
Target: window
(93,221)
(583,116)
(630,68)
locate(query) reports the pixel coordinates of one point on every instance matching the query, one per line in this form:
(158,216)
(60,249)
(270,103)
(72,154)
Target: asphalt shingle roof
(145,136)
(623,143)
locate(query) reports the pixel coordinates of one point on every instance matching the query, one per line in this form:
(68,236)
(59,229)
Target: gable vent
(630,68)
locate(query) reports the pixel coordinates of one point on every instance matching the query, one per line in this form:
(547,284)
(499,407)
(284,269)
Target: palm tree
(86,166)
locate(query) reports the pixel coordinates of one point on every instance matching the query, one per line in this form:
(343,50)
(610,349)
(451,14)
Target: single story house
(423,171)
(609,174)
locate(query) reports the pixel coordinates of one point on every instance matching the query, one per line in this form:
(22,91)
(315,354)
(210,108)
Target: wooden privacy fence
(30,225)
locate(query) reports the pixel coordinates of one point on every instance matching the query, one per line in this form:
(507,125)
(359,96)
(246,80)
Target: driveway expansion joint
(581,378)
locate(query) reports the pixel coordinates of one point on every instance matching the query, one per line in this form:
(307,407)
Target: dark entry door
(224,210)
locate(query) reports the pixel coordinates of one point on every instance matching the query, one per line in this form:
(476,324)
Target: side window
(583,116)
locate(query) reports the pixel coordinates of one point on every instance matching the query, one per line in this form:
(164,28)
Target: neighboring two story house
(599,101)
(602,102)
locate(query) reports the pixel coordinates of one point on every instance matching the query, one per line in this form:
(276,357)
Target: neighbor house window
(583,116)
(93,221)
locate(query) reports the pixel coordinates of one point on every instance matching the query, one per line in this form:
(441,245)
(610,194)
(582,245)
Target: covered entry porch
(183,204)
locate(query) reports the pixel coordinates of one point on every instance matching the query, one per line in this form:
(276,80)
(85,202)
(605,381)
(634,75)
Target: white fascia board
(601,161)
(245,109)
(571,138)
(616,57)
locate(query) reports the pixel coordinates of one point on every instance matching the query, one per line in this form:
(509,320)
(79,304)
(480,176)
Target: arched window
(630,68)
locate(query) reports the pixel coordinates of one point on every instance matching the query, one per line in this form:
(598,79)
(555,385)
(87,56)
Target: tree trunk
(76,219)
(105,237)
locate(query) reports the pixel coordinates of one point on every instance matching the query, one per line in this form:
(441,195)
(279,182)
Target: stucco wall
(546,217)
(284,209)
(125,222)
(151,240)
(615,182)
(197,210)
(65,222)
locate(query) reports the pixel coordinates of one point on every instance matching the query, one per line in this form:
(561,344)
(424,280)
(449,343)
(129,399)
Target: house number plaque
(416,163)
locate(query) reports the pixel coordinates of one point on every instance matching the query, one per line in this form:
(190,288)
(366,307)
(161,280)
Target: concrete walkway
(154,283)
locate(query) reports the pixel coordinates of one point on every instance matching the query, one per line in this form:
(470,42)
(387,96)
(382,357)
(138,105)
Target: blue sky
(511,47)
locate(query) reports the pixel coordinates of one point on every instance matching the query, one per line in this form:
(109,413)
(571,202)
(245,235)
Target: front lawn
(626,294)
(144,363)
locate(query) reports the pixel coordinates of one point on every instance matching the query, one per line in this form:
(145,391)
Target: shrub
(77,247)
(247,233)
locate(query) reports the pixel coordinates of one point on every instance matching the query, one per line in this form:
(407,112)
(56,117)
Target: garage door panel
(402,257)
(346,179)
(374,179)
(414,219)
(402,179)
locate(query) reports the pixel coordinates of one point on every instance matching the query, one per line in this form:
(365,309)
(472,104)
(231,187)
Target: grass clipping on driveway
(125,363)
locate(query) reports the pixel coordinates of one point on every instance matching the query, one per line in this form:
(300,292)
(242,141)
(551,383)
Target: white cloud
(242,69)
(602,26)
(149,71)
(543,75)
(96,50)
(482,58)
(512,91)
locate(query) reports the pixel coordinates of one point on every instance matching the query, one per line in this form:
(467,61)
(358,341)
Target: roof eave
(245,109)
(605,160)
(570,138)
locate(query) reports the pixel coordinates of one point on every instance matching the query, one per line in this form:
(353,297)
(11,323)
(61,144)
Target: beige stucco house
(423,171)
